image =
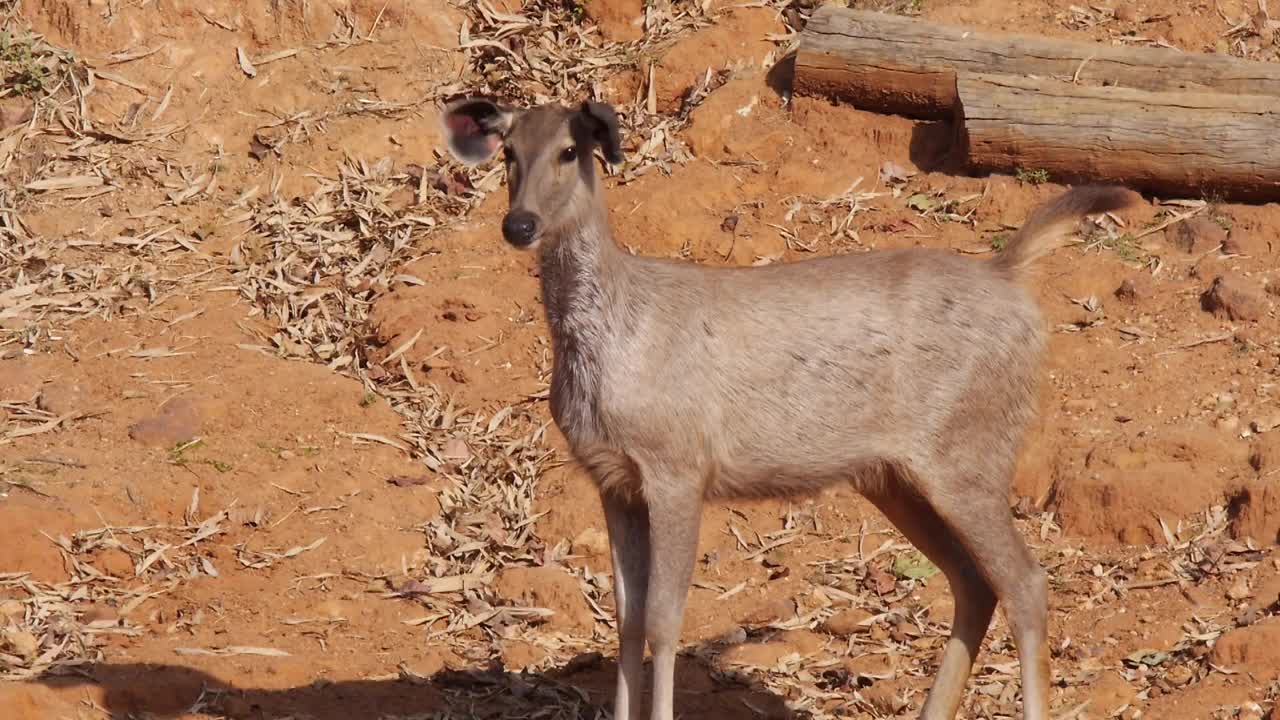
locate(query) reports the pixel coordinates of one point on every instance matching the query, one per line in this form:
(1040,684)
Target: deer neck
(583,275)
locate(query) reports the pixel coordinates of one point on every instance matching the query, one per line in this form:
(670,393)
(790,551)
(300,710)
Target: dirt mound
(1254,649)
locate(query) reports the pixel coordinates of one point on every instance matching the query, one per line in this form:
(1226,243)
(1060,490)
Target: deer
(910,374)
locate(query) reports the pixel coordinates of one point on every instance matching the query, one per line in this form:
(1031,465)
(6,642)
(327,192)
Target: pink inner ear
(463,125)
(492,142)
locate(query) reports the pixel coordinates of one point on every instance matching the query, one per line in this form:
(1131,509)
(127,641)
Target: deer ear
(603,122)
(474,128)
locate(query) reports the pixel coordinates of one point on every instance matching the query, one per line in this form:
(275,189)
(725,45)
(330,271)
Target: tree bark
(892,64)
(1202,144)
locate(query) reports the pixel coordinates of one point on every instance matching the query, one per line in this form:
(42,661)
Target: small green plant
(368,399)
(20,69)
(218,465)
(577,9)
(913,566)
(1032,177)
(1223,221)
(1124,246)
(176,453)
(177,456)
(999,241)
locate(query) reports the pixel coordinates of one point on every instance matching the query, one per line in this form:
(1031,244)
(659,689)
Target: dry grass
(52,154)
(52,628)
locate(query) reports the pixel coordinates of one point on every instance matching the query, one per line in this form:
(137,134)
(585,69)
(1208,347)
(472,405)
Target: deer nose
(519,227)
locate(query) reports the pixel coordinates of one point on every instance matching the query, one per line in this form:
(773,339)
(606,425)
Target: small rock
(456,449)
(1195,235)
(1248,339)
(756,655)
(178,421)
(1079,406)
(1126,12)
(1239,590)
(519,655)
(1240,244)
(99,613)
(771,611)
(1255,506)
(1264,455)
(1266,594)
(551,588)
(61,398)
(776,557)
(1131,291)
(1265,424)
(20,642)
(847,622)
(1231,298)
(886,698)
(1179,675)
(891,173)
(11,609)
(618,20)
(333,609)
(19,381)
(592,542)
(1256,647)
(115,562)
(14,112)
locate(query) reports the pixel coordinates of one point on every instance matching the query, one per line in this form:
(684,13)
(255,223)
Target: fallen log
(1181,143)
(892,64)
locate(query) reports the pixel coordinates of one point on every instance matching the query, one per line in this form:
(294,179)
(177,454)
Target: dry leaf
(409,480)
(1239,590)
(880,581)
(245,66)
(456,449)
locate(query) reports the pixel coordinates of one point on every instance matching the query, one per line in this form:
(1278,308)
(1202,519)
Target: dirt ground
(274,440)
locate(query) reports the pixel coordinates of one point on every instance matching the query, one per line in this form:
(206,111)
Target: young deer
(910,373)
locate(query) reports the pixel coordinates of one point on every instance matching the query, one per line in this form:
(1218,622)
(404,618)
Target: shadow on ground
(580,690)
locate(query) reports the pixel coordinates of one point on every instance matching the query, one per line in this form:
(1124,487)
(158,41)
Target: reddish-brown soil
(1150,486)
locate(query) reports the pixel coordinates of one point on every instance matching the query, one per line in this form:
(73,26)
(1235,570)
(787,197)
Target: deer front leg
(675,512)
(628,523)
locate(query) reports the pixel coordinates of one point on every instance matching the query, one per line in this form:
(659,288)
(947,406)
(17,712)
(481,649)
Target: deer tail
(1054,219)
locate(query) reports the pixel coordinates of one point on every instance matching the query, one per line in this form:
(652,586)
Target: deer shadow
(581,689)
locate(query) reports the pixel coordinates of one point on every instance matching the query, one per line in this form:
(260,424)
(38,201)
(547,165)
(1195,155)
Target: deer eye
(569,155)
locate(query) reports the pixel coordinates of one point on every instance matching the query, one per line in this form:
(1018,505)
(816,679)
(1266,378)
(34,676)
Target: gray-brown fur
(910,373)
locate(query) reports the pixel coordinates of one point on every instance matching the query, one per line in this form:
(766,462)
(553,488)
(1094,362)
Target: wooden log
(1180,143)
(888,63)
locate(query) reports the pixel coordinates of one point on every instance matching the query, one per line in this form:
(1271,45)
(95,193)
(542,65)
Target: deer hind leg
(974,600)
(628,522)
(983,523)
